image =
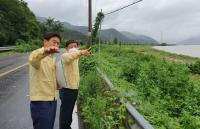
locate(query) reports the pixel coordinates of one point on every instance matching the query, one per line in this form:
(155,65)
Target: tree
(52,25)
(115,40)
(17,21)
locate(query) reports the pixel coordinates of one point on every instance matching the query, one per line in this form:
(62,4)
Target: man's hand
(86,52)
(51,49)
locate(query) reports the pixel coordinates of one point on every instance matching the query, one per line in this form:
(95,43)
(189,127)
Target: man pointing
(43,85)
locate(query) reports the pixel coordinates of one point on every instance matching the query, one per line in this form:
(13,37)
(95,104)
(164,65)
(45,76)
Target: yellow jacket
(42,76)
(70,61)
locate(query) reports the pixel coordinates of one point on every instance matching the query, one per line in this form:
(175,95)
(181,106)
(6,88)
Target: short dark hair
(49,35)
(70,41)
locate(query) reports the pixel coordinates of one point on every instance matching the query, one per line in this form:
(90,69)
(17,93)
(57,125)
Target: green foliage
(194,68)
(163,90)
(52,25)
(101,109)
(17,22)
(98,21)
(115,40)
(87,64)
(131,72)
(22,46)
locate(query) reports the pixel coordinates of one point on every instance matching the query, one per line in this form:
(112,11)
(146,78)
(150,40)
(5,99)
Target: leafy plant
(163,90)
(100,109)
(194,68)
(22,46)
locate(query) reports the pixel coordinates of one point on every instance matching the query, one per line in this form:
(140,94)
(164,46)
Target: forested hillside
(17,22)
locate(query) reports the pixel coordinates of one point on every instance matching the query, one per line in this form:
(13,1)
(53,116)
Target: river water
(188,50)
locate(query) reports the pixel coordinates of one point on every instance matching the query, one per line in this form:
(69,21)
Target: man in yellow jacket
(43,85)
(69,92)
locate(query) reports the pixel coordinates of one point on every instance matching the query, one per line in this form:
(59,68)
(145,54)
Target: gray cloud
(176,19)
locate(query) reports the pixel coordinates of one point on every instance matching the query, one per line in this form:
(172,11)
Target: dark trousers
(68,98)
(43,114)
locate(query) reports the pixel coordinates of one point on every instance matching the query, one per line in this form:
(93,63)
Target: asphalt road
(14,100)
(14,94)
(9,62)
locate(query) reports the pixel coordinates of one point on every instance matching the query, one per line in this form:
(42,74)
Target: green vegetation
(165,91)
(7,53)
(163,85)
(52,25)
(100,109)
(22,46)
(195,67)
(145,49)
(98,20)
(17,22)
(18,26)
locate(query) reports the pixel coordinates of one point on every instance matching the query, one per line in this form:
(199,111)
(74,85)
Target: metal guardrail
(138,121)
(7,48)
(108,82)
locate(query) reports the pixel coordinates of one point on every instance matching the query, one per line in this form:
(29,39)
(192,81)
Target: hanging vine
(95,29)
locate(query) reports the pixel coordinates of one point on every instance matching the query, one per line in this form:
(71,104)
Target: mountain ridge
(195,40)
(108,34)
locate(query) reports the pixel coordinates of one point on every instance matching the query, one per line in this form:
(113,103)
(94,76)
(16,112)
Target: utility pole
(89,23)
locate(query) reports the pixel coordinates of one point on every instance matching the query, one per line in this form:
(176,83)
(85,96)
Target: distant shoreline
(187,50)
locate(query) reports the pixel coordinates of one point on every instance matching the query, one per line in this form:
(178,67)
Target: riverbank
(160,84)
(164,55)
(187,50)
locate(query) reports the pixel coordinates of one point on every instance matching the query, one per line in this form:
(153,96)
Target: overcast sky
(175,20)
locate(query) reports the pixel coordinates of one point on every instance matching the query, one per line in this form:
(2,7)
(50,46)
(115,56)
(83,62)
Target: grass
(7,53)
(100,108)
(166,55)
(159,82)
(145,49)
